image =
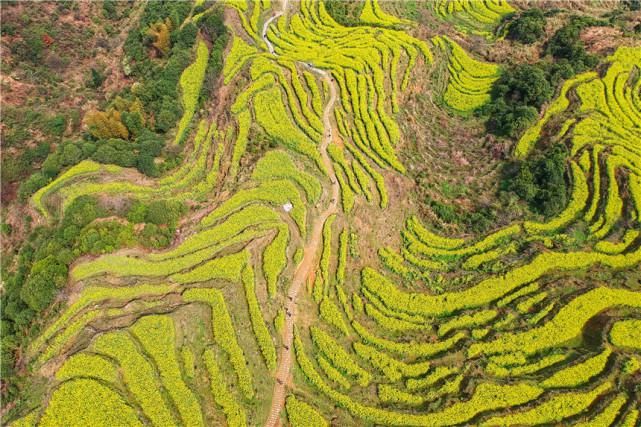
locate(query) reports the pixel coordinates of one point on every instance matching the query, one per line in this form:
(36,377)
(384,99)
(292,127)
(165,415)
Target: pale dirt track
(309,262)
(304,269)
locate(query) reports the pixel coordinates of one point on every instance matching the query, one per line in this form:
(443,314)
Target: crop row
(473,16)
(263,337)
(439,373)
(228,268)
(566,327)
(626,333)
(392,368)
(234,224)
(242,139)
(527,141)
(89,296)
(224,334)
(391,323)
(191,81)
(233,411)
(275,193)
(553,410)
(579,373)
(495,369)
(275,258)
(126,266)
(304,40)
(138,374)
(339,357)
(271,115)
(376,302)
(609,414)
(332,373)
(300,111)
(467,321)
(470,81)
(238,55)
(391,394)
(331,314)
(489,289)
(87,178)
(408,349)
(69,406)
(87,365)
(157,335)
(487,396)
(300,414)
(373,14)
(278,164)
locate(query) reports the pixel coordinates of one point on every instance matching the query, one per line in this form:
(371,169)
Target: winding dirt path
(310,261)
(311,252)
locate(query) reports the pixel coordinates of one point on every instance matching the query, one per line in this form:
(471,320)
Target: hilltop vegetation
(321,213)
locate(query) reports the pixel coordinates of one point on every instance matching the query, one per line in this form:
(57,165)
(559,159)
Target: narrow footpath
(312,248)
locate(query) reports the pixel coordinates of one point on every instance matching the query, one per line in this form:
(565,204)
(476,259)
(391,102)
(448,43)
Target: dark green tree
(527,28)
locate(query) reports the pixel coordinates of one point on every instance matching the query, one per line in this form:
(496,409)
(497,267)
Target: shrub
(47,276)
(516,97)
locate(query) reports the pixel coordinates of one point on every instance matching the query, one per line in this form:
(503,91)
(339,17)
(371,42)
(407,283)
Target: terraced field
(262,313)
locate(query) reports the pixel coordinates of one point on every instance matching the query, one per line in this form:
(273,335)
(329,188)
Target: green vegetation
(214,280)
(470,81)
(300,414)
(69,406)
(528,27)
(625,333)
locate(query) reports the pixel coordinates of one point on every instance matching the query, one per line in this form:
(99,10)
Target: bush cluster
(540,180)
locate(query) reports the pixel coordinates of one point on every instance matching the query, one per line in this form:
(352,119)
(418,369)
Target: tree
(31,185)
(161,32)
(46,277)
(540,181)
(103,125)
(566,44)
(523,84)
(528,27)
(509,119)
(71,154)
